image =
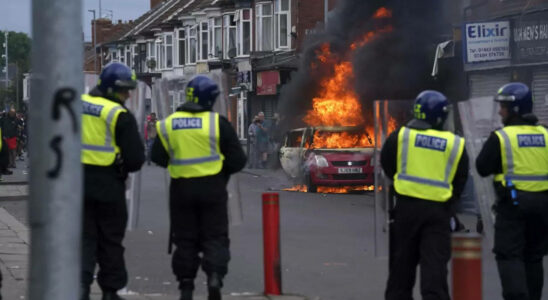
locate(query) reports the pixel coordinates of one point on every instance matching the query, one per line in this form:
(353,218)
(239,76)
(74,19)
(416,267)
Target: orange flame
(298,188)
(332,190)
(337,104)
(382,13)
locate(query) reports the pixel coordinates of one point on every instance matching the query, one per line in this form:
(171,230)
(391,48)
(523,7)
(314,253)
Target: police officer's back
(429,167)
(201,150)
(518,157)
(111,148)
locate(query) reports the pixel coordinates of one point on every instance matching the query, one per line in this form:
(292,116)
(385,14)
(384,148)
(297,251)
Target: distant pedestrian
(263,140)
(252,141)
(201,150)
(429,167)
(10,127)
(112,147)
(517,155)
(151,134)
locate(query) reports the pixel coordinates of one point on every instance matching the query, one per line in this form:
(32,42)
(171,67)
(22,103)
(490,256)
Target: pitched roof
(150,17)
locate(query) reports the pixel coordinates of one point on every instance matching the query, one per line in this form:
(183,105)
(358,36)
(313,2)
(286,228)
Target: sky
(15,15)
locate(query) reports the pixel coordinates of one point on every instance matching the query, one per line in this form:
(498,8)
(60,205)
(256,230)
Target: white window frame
(160,53)
(279,13)
(122,54)
(191,47)
(203,35)
(128,56)
(214,32)
(227,27)
(184,46)
(260,16)
(166,48)
(151,47)
(240,32)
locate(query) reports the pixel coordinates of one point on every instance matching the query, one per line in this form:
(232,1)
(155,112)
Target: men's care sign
(488,41)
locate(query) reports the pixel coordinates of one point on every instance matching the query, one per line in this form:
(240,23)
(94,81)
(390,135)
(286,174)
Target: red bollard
(467,283)
(271,241)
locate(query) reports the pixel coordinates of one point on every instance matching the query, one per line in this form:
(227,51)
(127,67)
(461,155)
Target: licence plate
(350,170)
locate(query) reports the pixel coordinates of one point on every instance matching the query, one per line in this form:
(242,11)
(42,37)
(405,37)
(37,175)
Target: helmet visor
(505,98)
(126,84)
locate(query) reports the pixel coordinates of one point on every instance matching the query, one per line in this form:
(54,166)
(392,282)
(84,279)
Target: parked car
(318,164)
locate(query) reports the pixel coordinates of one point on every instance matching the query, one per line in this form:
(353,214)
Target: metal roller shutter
(540,94)
(486,84)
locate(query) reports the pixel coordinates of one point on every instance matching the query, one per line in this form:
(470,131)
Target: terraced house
(249,47)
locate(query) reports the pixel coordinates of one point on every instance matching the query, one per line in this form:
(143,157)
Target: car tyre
(310,186)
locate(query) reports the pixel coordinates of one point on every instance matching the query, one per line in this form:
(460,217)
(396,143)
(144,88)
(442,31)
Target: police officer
(429,167)
(112,147)
(518,157)
(200,149)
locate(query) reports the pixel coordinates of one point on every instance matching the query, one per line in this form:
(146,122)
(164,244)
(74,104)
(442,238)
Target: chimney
(154,3)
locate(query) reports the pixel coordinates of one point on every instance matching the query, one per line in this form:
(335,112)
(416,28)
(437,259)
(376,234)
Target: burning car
(329,157)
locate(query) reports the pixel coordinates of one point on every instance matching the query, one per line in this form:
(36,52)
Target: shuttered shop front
(487,83)
(540,94)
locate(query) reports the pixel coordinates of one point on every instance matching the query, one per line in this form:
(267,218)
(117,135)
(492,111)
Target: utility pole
(6,57)
(325,12)
(100,10)
(55,206)
(94,41)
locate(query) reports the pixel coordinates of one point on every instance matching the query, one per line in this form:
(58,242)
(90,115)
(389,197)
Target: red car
(335,165)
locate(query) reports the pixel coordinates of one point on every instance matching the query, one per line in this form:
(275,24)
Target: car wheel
(310,186)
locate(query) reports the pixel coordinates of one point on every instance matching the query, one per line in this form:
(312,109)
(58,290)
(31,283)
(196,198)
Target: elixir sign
(487,41)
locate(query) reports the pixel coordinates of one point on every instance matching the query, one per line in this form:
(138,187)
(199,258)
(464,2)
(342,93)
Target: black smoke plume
(394,65)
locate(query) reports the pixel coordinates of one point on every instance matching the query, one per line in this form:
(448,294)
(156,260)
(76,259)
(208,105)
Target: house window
(151,56)
(114,56)
(121,55)
(182,46)
(264,28)
(169,50)
(161,53)
(204,41)
(283,23)
(128,56)
(230,36)
(216,37)
(192,44)
(244,32)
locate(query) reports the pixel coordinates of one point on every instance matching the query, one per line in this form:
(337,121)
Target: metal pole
(7,61)
(94,41)
(100,10)
(325,11)
(55,206)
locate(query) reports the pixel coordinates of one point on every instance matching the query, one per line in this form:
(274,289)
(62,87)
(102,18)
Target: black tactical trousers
(521,241)
(199,221)
(105,220)
(419,235)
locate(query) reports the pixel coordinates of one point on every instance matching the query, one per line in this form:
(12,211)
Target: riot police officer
(429,167)
(112,147)
(200,149)
(518,157)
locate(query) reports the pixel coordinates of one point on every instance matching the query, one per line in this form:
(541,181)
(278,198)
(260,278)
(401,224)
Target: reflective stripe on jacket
(524,157)
(193,143)
(99,119)
(427,163)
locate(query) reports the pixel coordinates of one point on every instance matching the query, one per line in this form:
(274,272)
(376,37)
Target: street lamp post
(6,57)
(55,180)
(94,40)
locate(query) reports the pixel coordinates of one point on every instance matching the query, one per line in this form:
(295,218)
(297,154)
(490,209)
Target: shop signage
(530,38)
(487,41)
(267,82)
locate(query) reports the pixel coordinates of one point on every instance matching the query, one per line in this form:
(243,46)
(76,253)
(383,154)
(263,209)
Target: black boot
(214,285)
(111,295)
(187,288)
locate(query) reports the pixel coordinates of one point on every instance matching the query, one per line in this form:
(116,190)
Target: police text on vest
(430,142)
(186,123)
(92,109)
(531,140)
